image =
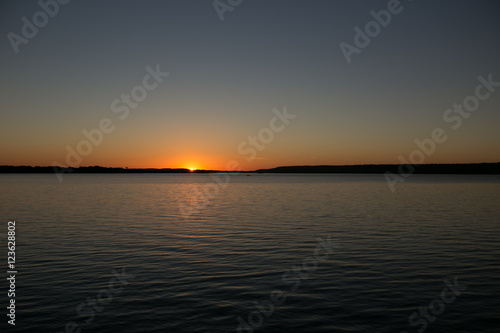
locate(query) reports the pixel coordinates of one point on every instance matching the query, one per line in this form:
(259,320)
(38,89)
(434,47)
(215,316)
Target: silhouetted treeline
(476,168)
(89,169)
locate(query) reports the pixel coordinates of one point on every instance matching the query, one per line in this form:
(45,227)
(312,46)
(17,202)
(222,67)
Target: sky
(255,83)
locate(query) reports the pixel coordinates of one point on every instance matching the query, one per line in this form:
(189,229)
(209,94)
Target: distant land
(469,168)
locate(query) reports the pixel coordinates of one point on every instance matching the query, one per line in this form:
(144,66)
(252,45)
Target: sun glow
(191,167)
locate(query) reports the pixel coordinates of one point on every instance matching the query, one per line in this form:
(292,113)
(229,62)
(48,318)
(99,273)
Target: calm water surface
(256,244)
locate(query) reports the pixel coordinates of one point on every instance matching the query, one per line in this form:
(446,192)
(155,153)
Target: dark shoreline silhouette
(464,168)
(89,169)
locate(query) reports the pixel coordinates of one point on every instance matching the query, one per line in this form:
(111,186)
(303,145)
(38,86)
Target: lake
(260,253)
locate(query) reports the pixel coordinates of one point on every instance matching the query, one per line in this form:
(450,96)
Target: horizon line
(12,168)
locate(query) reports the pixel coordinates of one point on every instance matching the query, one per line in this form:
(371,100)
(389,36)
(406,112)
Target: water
(389,253)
